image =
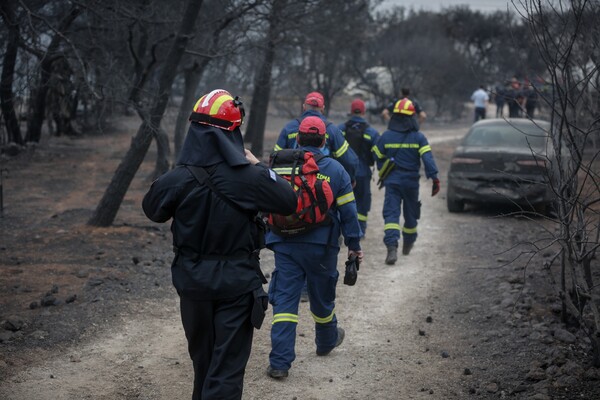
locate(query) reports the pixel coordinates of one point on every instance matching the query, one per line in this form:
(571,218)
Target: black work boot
(340,339)
(392,255)
(406,247)
(277,373)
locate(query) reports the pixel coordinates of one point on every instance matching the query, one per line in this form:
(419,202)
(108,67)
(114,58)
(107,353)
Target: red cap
(312,125)
(357,107)
(315,99)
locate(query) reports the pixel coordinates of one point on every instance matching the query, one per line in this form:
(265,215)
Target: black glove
(435,188)
(352,266)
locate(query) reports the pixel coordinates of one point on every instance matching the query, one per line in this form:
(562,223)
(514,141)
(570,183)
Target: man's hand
(359,255)
(435,187)
(385,114)
(250,157)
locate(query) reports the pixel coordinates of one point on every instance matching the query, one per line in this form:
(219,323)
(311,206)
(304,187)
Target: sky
(437,5)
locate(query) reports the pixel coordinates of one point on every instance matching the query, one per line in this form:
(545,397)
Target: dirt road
(447,321)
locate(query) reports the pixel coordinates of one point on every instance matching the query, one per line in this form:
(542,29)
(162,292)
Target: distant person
(399,153)
(515,99)
(480,99)
(213,197)
(420,114)
(361,137)
(531,101)
(500,99)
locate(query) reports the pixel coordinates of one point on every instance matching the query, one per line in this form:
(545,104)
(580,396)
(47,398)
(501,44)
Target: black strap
(313,200)
(204,179)
(294,166)
(203,118)
(321,199)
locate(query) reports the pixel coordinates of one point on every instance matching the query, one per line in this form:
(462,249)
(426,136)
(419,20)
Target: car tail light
(532,163)
(465,160)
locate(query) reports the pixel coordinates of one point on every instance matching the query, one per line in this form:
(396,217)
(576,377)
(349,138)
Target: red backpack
(315,196)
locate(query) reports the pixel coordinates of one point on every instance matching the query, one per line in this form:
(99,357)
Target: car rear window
(518,136)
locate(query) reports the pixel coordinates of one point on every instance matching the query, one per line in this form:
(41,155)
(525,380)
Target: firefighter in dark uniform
(399,152)
(361,137)
(213,197)
(515,98)
(311,257)
(420,114)
(336,145)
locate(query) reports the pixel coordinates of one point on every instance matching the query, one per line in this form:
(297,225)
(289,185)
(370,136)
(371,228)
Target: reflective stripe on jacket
(336,145)
(407,149)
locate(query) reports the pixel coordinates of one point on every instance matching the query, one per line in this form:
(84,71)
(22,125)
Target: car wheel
(454,205)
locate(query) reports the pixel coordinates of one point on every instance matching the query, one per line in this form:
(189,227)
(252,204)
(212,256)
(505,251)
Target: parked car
(502,162)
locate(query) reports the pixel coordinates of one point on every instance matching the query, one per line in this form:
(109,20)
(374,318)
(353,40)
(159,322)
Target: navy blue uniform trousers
(397,198)
(362,193)
(295,263)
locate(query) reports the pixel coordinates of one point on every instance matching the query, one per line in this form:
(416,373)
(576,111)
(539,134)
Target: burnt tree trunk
(7,103)
(163,153)
(192,77)
(38,100)
(255,133)
(109,205)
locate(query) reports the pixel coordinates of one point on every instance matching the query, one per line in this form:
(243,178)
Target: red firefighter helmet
(218,108)
(404,106)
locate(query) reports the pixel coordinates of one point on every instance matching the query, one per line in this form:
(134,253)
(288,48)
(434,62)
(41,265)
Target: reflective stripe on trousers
(295,263)
(399,198)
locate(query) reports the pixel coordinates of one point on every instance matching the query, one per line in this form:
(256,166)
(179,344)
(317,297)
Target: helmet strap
(238,103)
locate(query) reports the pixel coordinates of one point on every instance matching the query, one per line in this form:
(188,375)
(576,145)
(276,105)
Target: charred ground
(463,317)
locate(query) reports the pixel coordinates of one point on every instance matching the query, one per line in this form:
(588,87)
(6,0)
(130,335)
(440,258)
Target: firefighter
(399,152)
(336,145)
(311,257)
(420,114)
(361,137)
(213,197)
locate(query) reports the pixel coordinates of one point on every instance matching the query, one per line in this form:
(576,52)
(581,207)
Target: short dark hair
(310,139)
(405,91)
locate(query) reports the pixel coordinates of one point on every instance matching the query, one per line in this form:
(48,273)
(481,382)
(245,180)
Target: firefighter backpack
(355,132)
(315,196)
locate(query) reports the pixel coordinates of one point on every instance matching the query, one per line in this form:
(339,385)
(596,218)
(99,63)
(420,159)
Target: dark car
(501,162)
